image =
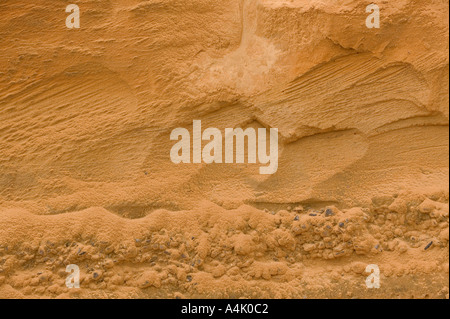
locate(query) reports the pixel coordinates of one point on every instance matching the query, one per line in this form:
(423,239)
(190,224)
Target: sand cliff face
(86,177)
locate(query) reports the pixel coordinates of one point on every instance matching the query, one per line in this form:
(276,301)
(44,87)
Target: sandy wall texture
(86,176)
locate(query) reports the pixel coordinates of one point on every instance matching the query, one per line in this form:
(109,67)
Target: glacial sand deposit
(86,176)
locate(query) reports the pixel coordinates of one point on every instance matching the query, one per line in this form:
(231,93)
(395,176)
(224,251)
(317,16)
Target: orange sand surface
(85,170)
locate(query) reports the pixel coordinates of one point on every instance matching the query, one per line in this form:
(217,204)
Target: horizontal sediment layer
(86,176)
(214,253)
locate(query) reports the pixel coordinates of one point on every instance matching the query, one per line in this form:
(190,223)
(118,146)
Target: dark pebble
(329,213)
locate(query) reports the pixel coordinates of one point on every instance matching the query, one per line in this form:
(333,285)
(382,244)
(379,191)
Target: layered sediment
(85,170)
